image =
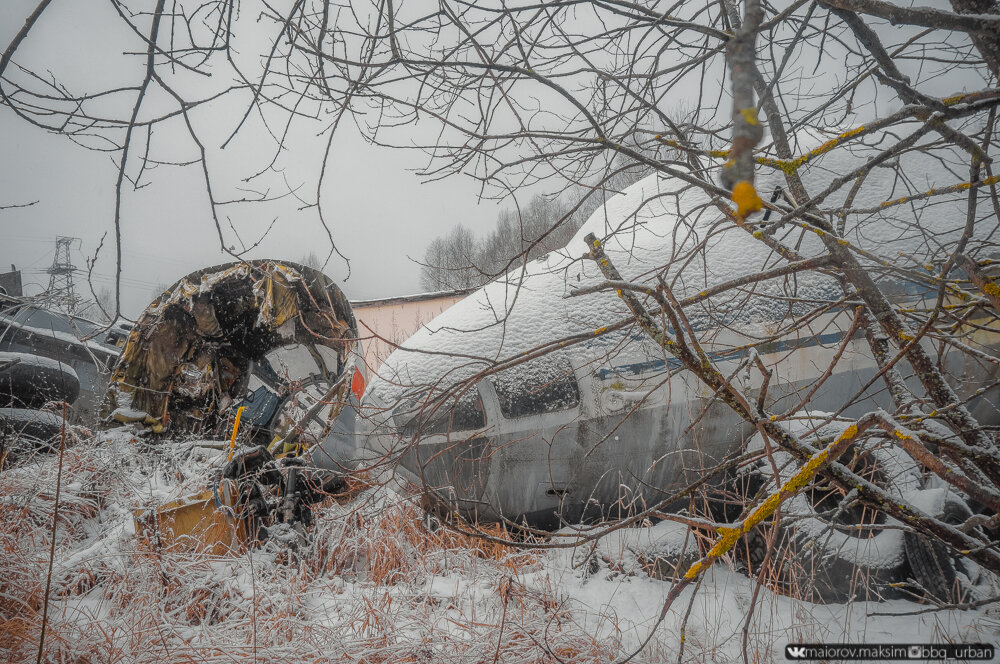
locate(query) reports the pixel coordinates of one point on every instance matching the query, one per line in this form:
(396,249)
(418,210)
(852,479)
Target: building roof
(416,297)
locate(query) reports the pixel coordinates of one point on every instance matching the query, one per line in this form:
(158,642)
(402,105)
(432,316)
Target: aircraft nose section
(358,438)
(340,450)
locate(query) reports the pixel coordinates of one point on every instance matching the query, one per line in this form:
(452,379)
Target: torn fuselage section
(266,350)
(276,337)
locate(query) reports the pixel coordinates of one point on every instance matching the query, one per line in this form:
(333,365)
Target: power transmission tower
(61,289)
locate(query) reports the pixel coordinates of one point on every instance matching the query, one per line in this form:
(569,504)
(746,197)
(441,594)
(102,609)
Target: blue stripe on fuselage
(672,363)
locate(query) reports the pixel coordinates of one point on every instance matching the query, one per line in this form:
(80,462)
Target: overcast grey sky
(379,211)
(380,214)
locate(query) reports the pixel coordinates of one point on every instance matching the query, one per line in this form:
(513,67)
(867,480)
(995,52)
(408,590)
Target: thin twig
(52,545)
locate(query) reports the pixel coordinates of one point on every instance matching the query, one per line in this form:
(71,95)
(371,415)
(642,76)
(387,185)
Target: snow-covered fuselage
(609,421)
(630,436)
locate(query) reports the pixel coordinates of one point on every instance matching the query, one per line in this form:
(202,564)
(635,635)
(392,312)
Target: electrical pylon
(61,288)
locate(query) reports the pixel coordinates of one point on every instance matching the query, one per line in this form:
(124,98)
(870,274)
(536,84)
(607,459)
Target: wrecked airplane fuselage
(269,348)
(536,401)
(81,344)
(602,420)
(262,333)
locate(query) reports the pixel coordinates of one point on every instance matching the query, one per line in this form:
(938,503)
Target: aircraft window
(449,416)
(331,358)
(294,361)
(541,386)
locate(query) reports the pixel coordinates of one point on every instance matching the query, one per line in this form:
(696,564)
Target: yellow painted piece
(278,304)
(154,424)
(236,427)
(192,523)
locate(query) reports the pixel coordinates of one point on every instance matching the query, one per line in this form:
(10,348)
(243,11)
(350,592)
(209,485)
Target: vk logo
(795,652)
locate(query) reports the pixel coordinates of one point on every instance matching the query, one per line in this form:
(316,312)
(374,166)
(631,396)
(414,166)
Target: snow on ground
(373,584)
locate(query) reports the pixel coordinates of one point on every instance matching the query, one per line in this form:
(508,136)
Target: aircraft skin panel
(560,467)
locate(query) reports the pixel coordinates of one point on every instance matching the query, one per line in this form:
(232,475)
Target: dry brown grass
(395,543)
(120,598)
(372,583)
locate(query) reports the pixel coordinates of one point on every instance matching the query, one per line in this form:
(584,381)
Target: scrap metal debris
(197,348)
(272,346)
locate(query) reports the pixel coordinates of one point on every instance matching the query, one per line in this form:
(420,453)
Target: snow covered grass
(372,584)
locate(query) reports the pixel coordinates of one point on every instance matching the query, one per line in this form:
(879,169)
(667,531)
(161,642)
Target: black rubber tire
(30,381)
(830,567)
(944,574)
(23,430)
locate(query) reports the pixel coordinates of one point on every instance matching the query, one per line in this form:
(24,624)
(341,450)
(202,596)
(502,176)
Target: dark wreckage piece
(272,340)
(274,491)
(223,331)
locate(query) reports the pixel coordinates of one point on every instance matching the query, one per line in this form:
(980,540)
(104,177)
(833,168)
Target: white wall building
(386,323)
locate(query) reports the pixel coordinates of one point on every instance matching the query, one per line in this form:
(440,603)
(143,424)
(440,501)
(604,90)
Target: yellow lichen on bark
(728,536)
(790,166)
(961,186)
(750,116)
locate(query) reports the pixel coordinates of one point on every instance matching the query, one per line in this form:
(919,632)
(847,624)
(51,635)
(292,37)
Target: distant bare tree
(99,308)
(449,262)
(458,260)
(312,260)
